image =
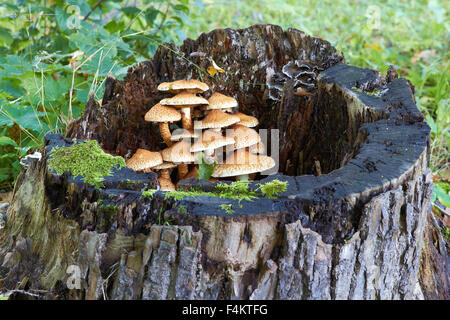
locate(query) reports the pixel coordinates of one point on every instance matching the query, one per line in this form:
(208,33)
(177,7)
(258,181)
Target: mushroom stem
(242,177)
(186,120)
(182,170)
(164,173)
(165,132)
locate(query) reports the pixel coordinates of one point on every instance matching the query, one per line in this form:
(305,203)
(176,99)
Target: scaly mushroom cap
(211,140)
(144,159)
(246,120)
(165,165)
(258,148)
(217,119)
(180,134)
(179,153)
(193,86)
(166,184)
(221,101)
(184,99)
(241,163)
(160,113)
(243,136)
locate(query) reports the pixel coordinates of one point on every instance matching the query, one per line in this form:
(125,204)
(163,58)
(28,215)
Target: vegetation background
(53,54)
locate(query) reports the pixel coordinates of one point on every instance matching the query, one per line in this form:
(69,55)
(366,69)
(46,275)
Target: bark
(363,229)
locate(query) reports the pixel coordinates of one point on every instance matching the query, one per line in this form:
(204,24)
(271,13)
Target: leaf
(204,170)
(4,141)
(214,68)
(440,193)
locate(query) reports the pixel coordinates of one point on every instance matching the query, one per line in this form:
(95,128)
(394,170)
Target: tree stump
(361,229)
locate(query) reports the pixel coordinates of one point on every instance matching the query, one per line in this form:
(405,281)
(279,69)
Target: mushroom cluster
(245,151)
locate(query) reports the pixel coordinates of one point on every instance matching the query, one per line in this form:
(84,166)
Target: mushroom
(221,101)
(192,86)
(180,134)
(242,163)
(246,120)
(164,169)
(210,140)
(166,184)
(143,160)
(243,136)
(179,153)
(186,101)
(216,119)
(163,115)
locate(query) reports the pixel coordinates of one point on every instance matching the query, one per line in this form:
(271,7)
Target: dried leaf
(214,68)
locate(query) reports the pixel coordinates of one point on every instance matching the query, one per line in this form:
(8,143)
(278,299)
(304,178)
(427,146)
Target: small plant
(228,208)
(85,159)
(273,188)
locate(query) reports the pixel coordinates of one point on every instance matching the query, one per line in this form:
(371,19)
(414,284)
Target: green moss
(84,159)
(106,216)
(228,208)
(273,188)
(148,193)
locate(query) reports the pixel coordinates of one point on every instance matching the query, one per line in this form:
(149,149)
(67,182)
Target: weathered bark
(363,229)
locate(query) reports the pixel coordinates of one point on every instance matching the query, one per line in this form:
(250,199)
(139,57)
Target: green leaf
(204,170)
(440,193)
(5,36)
(7,141)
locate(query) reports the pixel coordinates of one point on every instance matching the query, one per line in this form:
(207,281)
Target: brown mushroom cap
(211,140)
(242,163)
(217,119)
(243,136)
(258,148)
(184,99)
(246,120)
(161,113)
(221,101)
(193,86)
(179,153)
(180,134)
(165,165)
(144,159)
(166,184)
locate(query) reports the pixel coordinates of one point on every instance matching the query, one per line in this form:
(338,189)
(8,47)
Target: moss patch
(85,159)
(273,188)
(237,190)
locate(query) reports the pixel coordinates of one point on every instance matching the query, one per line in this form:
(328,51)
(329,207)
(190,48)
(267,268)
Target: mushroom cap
(193,86)
(166,184)
(211,140)
(180,134)
(217,119)
(160,113)
(165,165)
(243,136)
(184,99)
(258,148)
(246,120)
(221,101)
(144,159)
(242,162)
(179,153)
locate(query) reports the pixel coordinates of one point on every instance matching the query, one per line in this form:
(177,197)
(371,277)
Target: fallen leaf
(302,92)
(214,68)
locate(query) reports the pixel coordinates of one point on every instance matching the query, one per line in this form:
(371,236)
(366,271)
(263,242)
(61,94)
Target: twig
(99,2)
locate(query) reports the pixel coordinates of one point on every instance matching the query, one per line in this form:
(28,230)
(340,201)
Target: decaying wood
(362,229)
